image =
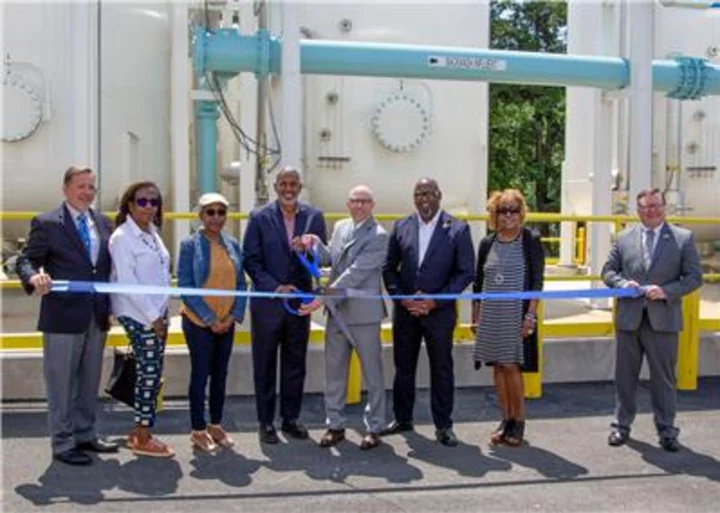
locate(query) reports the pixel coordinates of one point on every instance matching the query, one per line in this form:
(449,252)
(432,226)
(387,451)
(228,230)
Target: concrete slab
(566,465)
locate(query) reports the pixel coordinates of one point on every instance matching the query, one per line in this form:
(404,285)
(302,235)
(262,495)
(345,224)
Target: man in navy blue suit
(70,243)
(273,267)
(430,252)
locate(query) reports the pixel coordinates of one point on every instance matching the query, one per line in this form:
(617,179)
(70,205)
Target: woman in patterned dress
(510,259)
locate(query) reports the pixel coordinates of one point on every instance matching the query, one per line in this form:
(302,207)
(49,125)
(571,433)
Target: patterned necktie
(649,244)
(84,231)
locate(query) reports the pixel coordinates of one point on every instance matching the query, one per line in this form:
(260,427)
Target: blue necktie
(84,231)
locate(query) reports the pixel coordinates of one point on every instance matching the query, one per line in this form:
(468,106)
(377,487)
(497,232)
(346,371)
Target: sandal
(332,437)
(370,441)
(498,436)
(151,447)
(515,436)
(203,441)
(219,436)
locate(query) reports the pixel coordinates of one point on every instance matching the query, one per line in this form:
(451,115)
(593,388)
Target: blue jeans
(209,358)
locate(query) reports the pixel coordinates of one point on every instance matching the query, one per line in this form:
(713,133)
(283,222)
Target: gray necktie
(649,244)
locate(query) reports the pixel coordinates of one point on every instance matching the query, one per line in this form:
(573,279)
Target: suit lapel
(436,239)
(279,222)
(103,236)
(638,241)
(357,235)
(68,226)
(414,236)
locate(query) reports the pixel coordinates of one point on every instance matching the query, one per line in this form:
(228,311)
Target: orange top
(222,276)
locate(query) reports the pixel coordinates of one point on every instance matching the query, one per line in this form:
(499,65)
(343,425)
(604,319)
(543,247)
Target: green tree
(527,123)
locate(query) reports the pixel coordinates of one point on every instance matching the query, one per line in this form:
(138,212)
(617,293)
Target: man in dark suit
(430,252)
(661,259)
(273,267)
(70,243)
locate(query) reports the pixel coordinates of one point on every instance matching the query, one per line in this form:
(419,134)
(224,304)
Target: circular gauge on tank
(22,108)
(401,122)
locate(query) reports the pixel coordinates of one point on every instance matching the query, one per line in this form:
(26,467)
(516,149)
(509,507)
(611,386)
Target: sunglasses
(213,212)
(506,211)
(144,202)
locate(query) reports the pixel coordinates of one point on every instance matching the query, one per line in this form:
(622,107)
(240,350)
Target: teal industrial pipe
(229,52)
(206,137)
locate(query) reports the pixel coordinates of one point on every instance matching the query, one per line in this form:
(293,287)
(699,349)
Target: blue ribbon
(85,287)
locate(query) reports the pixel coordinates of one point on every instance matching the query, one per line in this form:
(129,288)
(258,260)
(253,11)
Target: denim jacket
(194,269)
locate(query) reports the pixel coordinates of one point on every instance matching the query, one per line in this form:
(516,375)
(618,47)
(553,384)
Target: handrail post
(689,343)
(533,380)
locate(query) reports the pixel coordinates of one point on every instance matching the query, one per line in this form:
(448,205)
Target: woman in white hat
(213,260)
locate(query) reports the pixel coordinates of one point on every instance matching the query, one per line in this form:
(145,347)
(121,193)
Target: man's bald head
(360,203)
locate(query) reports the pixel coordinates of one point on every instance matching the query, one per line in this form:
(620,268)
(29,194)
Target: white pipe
(247,117)
(291,85)
(180,119)
(85,130)
(641,23)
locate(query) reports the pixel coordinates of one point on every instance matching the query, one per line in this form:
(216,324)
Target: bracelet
(531,317)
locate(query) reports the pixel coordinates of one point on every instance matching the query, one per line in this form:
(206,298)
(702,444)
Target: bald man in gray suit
(356,254)
(662,261)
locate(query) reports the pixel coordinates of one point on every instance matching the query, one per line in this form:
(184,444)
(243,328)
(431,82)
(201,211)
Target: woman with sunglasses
(139,257)
(212,260)
(510,259)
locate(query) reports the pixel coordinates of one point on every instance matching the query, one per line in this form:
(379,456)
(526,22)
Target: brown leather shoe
(332,437)
(370,441)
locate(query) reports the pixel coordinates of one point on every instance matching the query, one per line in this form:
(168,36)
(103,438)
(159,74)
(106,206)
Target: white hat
(212,197)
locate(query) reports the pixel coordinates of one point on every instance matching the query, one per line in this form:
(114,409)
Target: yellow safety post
(689,343)
(580,248)
(533,380)
(354,382)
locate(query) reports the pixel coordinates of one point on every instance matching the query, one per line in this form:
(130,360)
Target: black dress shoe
(98,445)
(670,444)
(616,438)
(396,427)
(446,437)
(268,435)
(73,457)
(295,430)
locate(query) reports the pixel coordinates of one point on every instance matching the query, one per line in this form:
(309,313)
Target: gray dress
(499,334)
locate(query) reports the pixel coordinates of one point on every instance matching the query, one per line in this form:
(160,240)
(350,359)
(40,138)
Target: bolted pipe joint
(692,80)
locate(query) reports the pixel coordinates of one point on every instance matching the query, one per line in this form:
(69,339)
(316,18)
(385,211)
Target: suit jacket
(447,268)
(268,258)
(356,257)
(54,243)
(675,267)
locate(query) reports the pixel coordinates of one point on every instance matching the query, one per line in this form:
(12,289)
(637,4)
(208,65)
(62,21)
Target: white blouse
(139,258)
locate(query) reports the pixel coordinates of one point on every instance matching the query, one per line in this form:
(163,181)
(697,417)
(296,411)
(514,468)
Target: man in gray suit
(356,254)
(662,261)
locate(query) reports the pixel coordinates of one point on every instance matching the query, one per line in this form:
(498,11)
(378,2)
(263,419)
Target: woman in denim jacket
(212,260)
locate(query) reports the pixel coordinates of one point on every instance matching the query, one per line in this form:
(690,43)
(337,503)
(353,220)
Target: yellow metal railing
(688,343)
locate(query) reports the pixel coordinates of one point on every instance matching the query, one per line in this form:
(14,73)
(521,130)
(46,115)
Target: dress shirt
(139,258)
(92,229)
(425,233)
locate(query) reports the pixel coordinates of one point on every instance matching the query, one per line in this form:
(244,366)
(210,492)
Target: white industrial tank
(695,191)
(387,133)
(111,113)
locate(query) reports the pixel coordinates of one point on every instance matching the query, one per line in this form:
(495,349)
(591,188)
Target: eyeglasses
(144,202)
(655,206)
(507,211)
(359,201)
(220,212)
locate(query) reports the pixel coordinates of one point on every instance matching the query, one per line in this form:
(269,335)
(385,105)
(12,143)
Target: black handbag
(121,384)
